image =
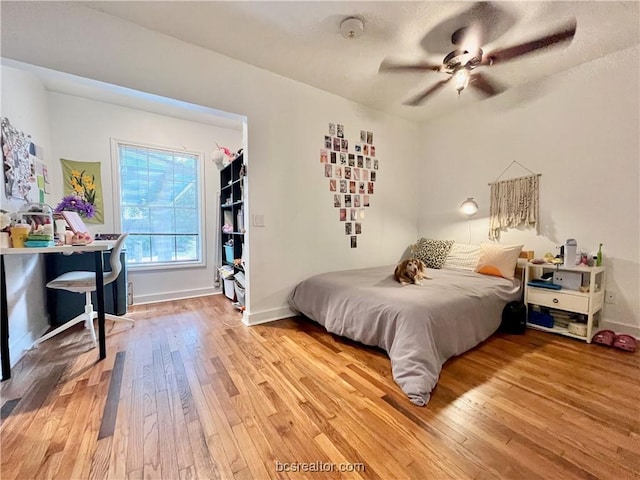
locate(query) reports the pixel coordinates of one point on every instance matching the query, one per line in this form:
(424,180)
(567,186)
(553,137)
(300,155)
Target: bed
(419,327)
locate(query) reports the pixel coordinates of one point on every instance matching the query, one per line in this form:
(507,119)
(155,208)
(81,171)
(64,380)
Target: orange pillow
(498,260)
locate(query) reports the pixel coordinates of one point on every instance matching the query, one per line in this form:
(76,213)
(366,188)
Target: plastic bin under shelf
(229,288)
(239,290)
(539,318)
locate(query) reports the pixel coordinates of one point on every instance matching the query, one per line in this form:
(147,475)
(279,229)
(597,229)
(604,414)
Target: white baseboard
(18,348)
(620,327)
(250,318)
(179,295)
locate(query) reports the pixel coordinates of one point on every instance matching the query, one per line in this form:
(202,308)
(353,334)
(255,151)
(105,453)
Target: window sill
(165,266)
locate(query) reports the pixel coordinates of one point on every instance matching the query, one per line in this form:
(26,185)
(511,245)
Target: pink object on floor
(604,337)
(625,342)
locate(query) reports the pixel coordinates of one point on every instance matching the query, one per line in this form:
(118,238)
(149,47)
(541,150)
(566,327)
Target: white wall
(580,130)
(81,130)
(286,125)
(24,103)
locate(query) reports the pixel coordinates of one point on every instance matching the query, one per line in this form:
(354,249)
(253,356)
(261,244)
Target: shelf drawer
(562,301)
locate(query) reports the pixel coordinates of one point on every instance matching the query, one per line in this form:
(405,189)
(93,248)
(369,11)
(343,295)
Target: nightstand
(565,301)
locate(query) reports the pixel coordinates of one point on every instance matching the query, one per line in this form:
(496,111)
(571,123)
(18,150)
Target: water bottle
(599,257)
(570,250)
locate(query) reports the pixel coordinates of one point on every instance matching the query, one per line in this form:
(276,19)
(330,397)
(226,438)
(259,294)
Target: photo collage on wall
(352,176)
(26,176)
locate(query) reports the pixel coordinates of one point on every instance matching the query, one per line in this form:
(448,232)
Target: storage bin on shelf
(577,328)
(543,319)
(228,253)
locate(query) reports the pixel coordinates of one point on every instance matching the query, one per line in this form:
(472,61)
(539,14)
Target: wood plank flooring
(191,393)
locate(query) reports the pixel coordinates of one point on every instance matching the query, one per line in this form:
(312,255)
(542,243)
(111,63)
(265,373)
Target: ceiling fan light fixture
(351,27)
(468,54)
(461,79)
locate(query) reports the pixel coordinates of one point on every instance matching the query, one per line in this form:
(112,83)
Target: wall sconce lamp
(469,207)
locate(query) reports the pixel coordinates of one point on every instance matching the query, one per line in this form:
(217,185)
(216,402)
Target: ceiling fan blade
(484,84)
(565,34)
(418,99)
(492,19)
(388,65)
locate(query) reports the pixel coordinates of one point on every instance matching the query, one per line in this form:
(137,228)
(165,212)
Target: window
(160,205)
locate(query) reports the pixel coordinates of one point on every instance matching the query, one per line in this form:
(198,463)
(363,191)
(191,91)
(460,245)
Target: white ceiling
(104,92)
(302,41)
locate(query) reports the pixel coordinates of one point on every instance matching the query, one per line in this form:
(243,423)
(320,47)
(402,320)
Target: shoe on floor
(604,337)
(625,342)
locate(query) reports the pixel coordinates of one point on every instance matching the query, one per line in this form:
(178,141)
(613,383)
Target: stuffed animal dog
(409,271)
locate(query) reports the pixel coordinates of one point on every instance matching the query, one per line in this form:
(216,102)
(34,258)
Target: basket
(577,328)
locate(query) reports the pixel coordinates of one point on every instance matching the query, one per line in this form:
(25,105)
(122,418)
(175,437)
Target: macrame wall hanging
(514,202)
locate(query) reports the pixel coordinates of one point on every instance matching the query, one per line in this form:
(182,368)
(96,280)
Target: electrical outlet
(610,296)
(130,293)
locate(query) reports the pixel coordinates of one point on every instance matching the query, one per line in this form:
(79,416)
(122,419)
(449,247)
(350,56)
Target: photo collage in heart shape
(352,176)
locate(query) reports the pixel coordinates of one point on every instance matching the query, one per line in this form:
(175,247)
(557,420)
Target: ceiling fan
(460,64)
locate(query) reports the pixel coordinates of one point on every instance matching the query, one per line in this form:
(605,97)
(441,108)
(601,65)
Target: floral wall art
(83,180)
(351,167)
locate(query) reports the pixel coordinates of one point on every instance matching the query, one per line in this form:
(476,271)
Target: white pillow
(463,256)
(498,260)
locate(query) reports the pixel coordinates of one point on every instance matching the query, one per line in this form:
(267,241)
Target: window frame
(117,201)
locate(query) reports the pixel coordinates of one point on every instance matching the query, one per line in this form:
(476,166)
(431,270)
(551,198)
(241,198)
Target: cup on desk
(19,235)
(61,227)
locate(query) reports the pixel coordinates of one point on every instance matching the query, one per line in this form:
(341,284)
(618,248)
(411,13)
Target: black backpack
(514,318)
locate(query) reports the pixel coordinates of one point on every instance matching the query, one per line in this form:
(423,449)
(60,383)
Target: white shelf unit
(589,303)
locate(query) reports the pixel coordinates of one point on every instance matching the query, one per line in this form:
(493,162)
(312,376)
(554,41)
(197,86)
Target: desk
(97,247)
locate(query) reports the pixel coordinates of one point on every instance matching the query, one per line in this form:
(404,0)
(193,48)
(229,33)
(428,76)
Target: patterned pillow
(432,252)
(463,256)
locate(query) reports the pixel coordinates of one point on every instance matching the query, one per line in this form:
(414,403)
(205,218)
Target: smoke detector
(351,27)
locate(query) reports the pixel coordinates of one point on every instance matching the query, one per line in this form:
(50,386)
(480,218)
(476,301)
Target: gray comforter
(420,327)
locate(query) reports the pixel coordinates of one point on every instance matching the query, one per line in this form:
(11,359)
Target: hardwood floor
(190,393)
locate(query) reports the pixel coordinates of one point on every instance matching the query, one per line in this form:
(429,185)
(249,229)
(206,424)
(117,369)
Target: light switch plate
(258,220)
